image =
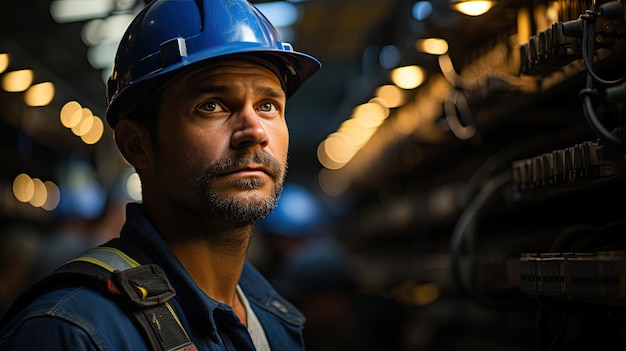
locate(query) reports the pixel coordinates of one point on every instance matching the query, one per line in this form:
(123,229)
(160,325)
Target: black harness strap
(129,277)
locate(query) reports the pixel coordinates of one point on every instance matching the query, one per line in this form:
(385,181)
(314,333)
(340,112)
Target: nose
(249,130)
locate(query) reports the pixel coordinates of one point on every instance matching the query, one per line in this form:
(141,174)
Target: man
(197,100)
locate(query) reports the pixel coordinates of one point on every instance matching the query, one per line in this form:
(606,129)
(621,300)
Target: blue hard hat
(170,35)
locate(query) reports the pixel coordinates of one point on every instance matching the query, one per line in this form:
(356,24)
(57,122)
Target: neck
(215,269)
(214,266)
(211,251)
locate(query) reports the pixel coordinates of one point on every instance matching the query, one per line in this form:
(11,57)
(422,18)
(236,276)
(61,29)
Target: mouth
(250,171)
(246,165)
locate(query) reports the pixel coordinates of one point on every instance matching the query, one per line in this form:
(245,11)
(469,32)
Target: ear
(134,142)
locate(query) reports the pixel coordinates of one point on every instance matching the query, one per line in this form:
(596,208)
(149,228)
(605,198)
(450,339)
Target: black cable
(589,91)
(591,117)
(607,238)
(567,240)
(456,109)
(464,233)
(588,48)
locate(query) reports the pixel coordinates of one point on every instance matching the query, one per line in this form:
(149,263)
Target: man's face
(222,141)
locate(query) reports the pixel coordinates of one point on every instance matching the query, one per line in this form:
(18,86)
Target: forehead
(229,70)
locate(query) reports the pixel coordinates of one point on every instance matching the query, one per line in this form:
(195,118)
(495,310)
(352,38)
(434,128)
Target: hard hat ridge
(168,36)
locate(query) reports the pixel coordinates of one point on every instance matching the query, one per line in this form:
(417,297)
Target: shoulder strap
(129,277)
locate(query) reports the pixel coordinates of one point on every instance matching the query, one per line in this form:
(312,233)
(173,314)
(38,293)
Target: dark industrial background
(486,213)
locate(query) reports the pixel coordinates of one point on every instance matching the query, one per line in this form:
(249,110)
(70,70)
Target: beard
(240,210)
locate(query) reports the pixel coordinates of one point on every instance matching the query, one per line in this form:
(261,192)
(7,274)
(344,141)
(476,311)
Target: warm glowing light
(53,198)
(39,94)
(352,133)
(433,46)
(17,81)
(473,7)
(391,95)
(23,187)
(340,147)
(40,194)
(85,124)
(324,159)
(71,114)
(358,133)
(407,77)
(95,132)
(337,149)
(523,24)
(4,62)
(371,114)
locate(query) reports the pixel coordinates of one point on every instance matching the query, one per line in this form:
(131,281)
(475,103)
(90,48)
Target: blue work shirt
(79,318)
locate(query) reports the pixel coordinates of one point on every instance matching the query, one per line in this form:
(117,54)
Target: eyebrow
(214,89)
(225,90)
(274,93)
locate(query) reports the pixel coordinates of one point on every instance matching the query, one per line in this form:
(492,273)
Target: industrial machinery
(493,200)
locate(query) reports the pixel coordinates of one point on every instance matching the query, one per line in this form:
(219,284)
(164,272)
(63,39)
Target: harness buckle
(144,286)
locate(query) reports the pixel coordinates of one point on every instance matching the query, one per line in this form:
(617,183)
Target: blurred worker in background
(298,219)
(296,247)
(88,215)
(27,253)
(197,99)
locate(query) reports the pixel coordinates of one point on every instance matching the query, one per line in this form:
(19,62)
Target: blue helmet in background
(298,214)
(168,36)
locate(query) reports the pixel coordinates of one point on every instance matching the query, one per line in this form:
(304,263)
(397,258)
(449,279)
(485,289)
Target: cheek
(203,148)
(191,148)
(280,141)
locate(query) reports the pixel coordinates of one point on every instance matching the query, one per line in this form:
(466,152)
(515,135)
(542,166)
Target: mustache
(242,159)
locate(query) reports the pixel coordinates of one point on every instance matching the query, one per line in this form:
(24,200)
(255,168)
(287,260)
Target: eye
(267,107)
(211,106)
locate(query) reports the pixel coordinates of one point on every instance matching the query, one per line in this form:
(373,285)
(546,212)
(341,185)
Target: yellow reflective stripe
(171,309)
(108,258)
(112,260)
(94,261)
(119,253)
